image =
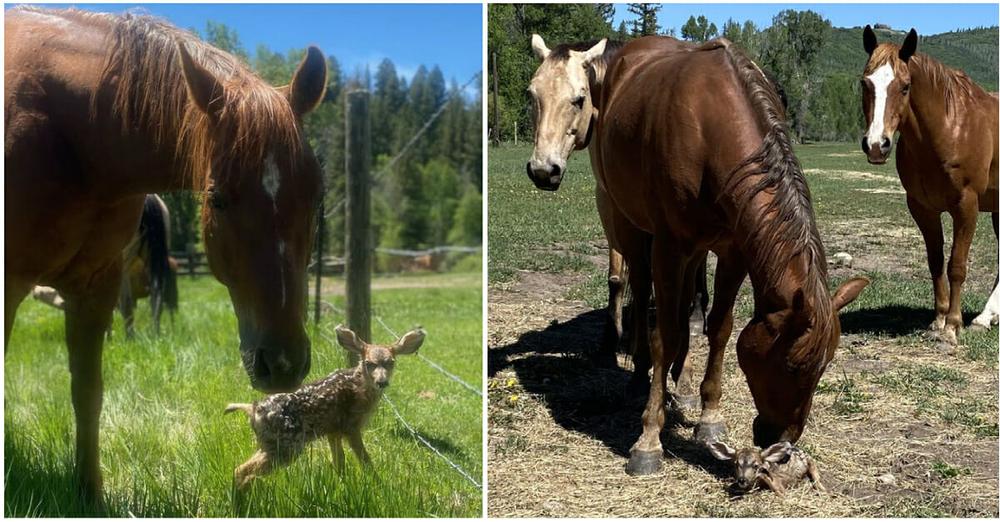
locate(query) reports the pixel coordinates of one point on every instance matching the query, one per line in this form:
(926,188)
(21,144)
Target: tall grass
(168,451)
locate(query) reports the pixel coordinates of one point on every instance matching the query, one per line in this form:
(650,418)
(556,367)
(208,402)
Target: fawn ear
(721,450)
(776,452)
(410,342)
(349,340)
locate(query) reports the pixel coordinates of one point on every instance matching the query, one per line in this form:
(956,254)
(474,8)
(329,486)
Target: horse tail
(154,233)
(244,407)
(170,295)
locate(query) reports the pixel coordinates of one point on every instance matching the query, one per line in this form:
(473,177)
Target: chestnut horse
(565,89)
(946,158)
(101,110)
(693,149)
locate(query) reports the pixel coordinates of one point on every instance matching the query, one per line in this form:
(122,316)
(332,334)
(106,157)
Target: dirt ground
(897,428)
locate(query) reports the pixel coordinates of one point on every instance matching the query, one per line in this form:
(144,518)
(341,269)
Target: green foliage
(699,29)
(645,23)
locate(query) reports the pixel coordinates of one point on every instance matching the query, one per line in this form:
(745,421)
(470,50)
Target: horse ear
(849,291)
(871,42)
(594,52)
(538,45)
(410,342)
(909,46)
(204,89)
(308,83)
(349,340)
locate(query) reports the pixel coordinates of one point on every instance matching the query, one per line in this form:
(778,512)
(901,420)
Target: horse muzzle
(545,178)
(277,368)
(877,155)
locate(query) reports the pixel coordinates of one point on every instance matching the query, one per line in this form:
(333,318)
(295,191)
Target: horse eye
(906,88)
(578,102)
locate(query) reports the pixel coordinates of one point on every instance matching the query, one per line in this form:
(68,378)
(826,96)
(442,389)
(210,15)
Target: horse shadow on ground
(556,364)
(892,320)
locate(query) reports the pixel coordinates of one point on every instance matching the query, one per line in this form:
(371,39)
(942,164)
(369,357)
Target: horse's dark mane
(561,51)
(143,72)
(788,228)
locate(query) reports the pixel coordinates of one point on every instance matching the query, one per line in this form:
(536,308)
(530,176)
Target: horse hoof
(638,385)
(710,432)
(977,327)
(686,402)
(644,463)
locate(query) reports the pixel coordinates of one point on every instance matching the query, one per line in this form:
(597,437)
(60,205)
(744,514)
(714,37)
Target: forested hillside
(430,196)
(817,64)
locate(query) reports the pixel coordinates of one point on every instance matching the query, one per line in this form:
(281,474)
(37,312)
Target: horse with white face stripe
(946,158)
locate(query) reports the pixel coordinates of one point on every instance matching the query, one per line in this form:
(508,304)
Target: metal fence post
(358,214)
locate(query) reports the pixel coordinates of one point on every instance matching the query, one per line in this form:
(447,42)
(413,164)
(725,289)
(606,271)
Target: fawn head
(750,463)
(376,362)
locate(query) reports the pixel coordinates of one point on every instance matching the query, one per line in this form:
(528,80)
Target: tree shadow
(554,363)
(891,320)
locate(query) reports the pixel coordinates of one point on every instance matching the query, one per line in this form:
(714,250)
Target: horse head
(885,92)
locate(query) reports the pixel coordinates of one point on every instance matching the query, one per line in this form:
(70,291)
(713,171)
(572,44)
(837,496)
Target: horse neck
(926,109)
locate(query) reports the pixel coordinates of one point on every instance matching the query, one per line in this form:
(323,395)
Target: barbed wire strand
(431,363)
(424,441)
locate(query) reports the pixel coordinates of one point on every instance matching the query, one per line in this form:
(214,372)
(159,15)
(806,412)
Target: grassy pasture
(167,450)
(897,427)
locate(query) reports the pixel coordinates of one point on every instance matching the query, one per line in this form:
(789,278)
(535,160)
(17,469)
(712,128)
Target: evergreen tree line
(816,64)
(429,196)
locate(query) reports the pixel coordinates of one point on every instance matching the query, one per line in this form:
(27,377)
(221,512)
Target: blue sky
(447,35)
(926,18)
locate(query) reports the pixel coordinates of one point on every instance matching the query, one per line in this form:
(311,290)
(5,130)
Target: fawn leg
(813,473)
(358,446)
(260,464)
(338,451)
(773,485)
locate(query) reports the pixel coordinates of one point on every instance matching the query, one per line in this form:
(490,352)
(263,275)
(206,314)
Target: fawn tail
(246,408)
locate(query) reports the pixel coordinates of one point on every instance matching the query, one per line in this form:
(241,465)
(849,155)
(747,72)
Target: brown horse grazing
(693,149)
(946,159)
(101,110)
(565,89)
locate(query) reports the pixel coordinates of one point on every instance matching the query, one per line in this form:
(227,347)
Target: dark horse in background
(946,158)
(149,269)
(694,152)
(101,110)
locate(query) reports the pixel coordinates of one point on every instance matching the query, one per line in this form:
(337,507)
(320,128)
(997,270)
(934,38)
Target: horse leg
(14,293)
(126,306)
(637,253)
(685,397)
(991,313)
(729,275)
(668,278)
(699,305)
(929,223)
(87,318)
(607,353)
(964,219)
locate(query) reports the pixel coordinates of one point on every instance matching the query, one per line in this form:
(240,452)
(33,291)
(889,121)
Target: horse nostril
(864,144)
(556,171)
(886,143)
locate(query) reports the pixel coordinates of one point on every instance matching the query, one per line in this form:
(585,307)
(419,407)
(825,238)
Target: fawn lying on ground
(778,467)
(336,407)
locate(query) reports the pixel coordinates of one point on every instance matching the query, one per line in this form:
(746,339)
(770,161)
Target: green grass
(552,231)
(167,450)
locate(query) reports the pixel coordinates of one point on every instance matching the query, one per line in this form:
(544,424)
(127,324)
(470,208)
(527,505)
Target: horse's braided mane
(954,84)
(143,70)
(789,226)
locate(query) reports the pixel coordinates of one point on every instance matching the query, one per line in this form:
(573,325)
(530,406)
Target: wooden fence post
(358,215)
(192,259)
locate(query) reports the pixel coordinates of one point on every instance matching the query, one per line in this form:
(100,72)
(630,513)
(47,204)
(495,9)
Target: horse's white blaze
(881,79)
(271,180)
(991,313)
